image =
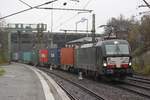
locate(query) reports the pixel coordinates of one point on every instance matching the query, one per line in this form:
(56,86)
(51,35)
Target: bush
(143,70)
(2,71)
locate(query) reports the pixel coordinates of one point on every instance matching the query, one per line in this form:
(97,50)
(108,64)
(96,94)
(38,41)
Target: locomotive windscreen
(112,49)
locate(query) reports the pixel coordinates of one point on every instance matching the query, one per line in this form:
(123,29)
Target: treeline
(137,32)
(3,43)
(3,46)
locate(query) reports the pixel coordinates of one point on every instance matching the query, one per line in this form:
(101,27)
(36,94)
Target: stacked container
(27,57)
(43,57)
(54,56)
(34,60)
(15,57)
(67,56)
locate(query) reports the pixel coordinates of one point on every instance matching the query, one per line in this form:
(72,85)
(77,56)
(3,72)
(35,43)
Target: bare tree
(3,42)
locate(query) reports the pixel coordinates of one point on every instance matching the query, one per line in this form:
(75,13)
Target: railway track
(133,90)
(90,92)
(130,87)
(70,95)
(141,79)
(136,85)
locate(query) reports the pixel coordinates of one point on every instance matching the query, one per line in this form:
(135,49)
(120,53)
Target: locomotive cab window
(117,49)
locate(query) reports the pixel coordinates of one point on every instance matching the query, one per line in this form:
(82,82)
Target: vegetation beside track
(141,63)
(3,59)
(145,70)
(2,71)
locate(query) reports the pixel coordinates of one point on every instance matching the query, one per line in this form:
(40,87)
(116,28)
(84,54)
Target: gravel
(106,90)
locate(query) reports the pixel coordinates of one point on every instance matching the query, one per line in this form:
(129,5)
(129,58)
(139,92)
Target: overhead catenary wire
(71,18)
(66,21)
(27,9)
(67,9)
(146,3)
(25,3)
(87,4)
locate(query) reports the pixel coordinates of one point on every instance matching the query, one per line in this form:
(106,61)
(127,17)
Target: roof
(84,39)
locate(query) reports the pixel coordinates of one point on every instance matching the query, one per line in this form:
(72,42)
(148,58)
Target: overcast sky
(104,10)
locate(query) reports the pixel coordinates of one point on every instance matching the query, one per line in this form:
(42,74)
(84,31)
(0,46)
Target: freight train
(109,58)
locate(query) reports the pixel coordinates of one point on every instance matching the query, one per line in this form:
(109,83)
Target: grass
(2,71)
(144,70)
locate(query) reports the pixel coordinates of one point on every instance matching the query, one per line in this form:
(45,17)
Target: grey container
(15,56)
(85,58)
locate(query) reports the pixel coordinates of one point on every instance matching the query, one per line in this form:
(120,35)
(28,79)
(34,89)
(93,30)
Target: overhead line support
(28,9)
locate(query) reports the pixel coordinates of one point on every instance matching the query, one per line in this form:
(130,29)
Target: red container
(43,56)
(67,56)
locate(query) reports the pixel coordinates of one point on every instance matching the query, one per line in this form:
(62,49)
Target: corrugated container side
(57,56)
(34,57)
(85,58)
(54,56)
(26,57)
(15,56)
(67,56)
(43,56)
(51,56)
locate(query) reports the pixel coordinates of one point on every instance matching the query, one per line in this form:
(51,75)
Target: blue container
(54,56)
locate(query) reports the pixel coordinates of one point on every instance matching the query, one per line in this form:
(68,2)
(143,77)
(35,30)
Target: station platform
(23,82)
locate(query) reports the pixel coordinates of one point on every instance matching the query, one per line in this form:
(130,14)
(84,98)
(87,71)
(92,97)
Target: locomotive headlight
(104,64)
(130,63)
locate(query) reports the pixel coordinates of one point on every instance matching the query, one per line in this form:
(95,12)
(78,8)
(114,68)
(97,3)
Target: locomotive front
(116,60)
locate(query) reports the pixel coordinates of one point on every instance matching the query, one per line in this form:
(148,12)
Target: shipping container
(27,57)
(43,56)
(15,56)
(54,56)
(85,58)
(67,56)
(34,60)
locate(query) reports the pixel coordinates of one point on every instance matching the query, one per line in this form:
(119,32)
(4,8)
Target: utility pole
(93,28)
(9,47)
(40,29)
(65,35)
(19,43)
